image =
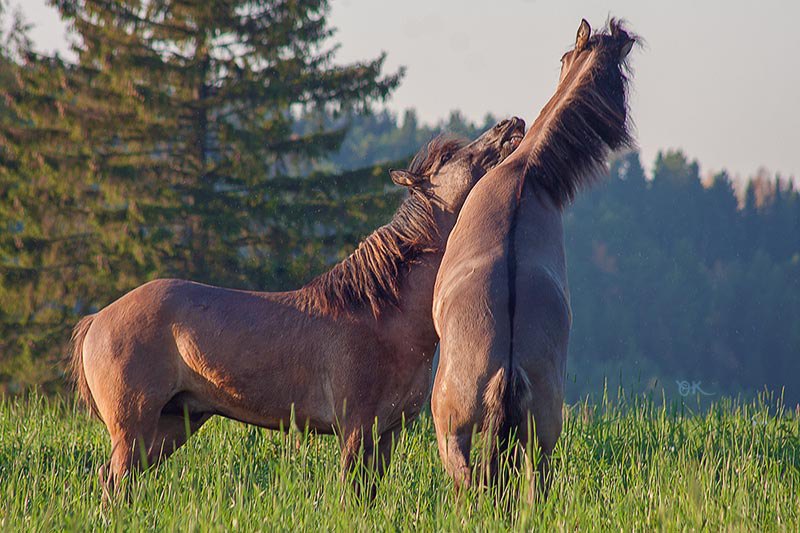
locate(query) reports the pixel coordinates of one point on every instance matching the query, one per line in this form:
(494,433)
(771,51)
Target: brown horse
(351,347)
(501,302)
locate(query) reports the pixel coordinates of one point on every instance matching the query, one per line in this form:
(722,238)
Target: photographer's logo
(685,388)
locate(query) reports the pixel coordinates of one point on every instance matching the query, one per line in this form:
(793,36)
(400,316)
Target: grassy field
(620,466)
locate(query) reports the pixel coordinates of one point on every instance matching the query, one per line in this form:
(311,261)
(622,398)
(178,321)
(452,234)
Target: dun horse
(351,347)
(501,302)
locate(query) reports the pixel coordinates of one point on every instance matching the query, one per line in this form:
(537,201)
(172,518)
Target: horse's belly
(268,388)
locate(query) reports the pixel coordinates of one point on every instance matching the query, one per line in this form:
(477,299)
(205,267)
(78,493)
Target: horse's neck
(411,325)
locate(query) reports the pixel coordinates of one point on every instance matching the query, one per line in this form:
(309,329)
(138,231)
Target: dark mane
(585,120)
(371,276)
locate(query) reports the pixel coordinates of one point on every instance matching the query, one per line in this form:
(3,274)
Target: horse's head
(603,53)
(447,169)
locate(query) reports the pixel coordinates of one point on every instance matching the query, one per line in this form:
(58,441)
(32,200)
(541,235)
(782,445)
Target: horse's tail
(506,396)
(76,364)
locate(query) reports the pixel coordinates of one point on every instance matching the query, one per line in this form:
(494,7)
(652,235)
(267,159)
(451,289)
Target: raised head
(447,169)
(612,45)
(585,119)
(602,53)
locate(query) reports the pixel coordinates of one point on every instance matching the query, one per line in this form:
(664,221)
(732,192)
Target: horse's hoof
(103,477)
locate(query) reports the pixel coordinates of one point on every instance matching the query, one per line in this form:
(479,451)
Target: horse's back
(471,301)
(474,332)
(474,265)
(542,316)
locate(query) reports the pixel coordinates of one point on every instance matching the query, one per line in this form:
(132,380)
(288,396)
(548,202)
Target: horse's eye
(446,158)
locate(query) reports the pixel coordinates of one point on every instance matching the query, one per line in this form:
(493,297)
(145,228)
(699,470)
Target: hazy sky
(718,79)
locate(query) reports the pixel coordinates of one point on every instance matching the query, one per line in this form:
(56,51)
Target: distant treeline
(673,278)
(165,152)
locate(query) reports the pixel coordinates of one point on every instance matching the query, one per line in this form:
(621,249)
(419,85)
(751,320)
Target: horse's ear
(404,178)
(584,32)
(626,49)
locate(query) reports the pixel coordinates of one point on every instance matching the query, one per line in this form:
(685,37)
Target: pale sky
(719,79)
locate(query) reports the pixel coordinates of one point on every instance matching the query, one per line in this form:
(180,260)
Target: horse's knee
(351,444)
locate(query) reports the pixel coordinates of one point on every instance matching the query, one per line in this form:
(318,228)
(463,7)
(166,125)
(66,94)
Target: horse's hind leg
(145,446)
(543,430)
(172,433)
(131,405)
(129,450)
(178,421)
(454,451)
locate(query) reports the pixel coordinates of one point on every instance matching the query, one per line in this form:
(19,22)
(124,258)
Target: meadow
(626,464)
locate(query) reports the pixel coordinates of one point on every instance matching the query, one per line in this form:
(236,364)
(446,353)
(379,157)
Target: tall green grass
(622,465)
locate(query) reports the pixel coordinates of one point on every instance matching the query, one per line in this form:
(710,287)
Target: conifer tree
(47,266)
(190,110)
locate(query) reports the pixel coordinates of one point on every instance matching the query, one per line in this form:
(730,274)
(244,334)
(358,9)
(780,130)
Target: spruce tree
(190,110)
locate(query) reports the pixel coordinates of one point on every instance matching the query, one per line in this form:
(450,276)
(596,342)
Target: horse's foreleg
(378,462)
(365,460)
(352,443)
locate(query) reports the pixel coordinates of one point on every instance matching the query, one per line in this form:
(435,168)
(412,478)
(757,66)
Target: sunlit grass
(628,464)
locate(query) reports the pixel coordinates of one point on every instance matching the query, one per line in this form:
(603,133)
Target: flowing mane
(584,120)
(372,274)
